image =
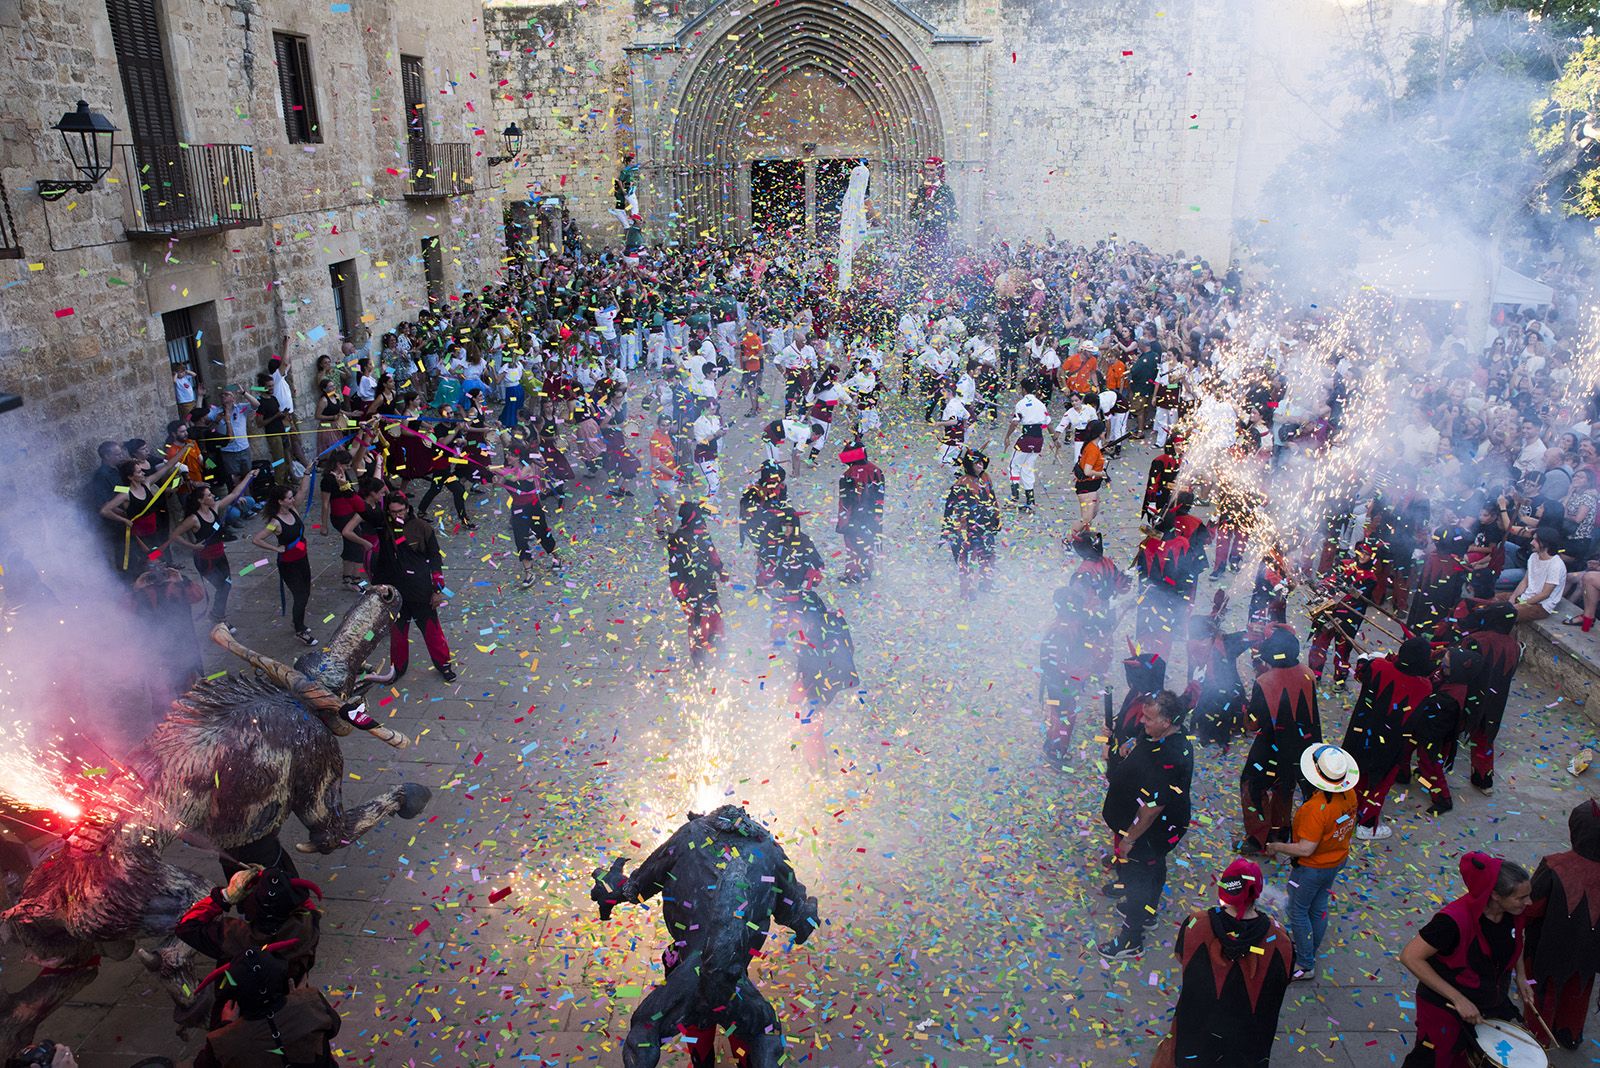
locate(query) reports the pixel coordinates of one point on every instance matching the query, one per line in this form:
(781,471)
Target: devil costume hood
(1283,711)
(1564,920)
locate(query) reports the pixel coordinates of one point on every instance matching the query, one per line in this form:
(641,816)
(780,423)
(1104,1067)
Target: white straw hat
(1327,767)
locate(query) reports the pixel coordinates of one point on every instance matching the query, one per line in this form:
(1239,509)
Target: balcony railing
(439,170)
(191,189)
(10,244)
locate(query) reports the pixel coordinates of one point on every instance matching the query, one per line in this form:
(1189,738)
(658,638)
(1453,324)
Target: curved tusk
(316,696)
(394,738)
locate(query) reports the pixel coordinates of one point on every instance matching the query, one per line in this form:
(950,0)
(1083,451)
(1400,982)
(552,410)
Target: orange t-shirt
(1117,375)
(752,351)
(663,460)
(1328,820)
(1091,461)
(1081,378)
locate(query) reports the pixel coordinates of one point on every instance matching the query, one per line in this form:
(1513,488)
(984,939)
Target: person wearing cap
(860,518)
(1147,807)
(1381,736)
(1283,711)
(1464,959)
(1234,965)
(1319,847)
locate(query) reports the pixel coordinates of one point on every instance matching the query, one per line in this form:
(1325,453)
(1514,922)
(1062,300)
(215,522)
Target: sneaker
(1301,975)
(1117,949)
(306,636)
(447,673)
(527,580)
(1484,784)
(1113,889)
(1374,834)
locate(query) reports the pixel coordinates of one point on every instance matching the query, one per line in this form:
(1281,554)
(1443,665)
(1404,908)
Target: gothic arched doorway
(781,102)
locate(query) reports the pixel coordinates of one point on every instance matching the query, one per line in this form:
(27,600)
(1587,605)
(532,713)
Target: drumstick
(1533,1007)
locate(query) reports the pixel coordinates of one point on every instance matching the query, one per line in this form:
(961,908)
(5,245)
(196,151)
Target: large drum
(1499,1044)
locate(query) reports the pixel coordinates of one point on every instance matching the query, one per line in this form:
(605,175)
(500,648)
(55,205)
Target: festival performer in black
(1163,474)
(1464,959)
(759,507)
(1215,696)
(1073,659)
(1227,529)
(1235,964)
(1147,807)
(971,522)
(743,880)
(1146,676)
(861,492)
(1162,568)
(693,568)
(1106,580)
(1269,595)
(1488,635)
(1563,926)
(1438,725)
(408,558)
(272,905)
(278,1022)
(1283,711)
(1443,576)
(933,213)
(1349,590)
(1383,725)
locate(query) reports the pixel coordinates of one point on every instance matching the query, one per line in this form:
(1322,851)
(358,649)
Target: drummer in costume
(1235,964)
(1283,712)
(1564,930)
(1464,960)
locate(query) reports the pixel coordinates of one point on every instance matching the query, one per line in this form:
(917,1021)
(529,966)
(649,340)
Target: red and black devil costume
(1381,733)
(1443,576)
(1283,711)
(693,567)
(1215,694)
(1349,589)
(1489,636)
(1072,662)
(1563,926)
(861,493)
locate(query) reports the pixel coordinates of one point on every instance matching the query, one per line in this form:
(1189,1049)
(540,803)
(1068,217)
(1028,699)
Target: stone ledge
(1565,659)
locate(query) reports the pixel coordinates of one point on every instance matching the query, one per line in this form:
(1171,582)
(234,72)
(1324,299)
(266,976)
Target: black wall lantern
(511,142)
(87,135)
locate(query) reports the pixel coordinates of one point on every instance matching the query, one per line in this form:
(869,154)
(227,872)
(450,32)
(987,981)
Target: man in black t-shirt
(1147,808)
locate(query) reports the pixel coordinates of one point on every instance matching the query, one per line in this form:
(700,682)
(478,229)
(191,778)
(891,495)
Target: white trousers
(1022,467)
(712,470)
(1166,419)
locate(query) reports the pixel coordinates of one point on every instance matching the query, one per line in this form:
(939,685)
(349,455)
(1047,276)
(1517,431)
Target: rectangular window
(191,337)
(296,89)
(346,298)
(412,90)
(433,270)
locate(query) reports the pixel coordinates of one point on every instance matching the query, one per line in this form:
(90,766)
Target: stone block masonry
(84,314)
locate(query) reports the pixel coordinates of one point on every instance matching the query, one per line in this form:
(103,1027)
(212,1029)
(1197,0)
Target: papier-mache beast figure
(722,878)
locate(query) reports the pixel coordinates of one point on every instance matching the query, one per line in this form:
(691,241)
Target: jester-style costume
(860,519)
(1158,485)
(1235,973)
(1215,694)
(1563,926)
(693,566)
(971,524)
(1283,712)
(1442,578)
(1381,735)
(1164,567)
(1351,587)
(1489,637)
(1072,662)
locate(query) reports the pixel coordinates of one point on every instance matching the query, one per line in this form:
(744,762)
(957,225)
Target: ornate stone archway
(804,78)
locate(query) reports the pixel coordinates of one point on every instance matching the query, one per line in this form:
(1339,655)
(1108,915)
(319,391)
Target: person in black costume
(742,881)
(1235,964)
(1563,926)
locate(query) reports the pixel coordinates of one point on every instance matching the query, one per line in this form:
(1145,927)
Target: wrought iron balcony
(439,170)
(191,190)
(10,244)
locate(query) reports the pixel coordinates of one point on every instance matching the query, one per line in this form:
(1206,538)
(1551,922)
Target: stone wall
(1155,119)
(102,369)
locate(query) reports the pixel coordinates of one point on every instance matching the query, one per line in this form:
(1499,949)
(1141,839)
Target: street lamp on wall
(511,143)
(87,135)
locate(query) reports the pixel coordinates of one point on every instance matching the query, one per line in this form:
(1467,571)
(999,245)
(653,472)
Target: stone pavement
(957,875)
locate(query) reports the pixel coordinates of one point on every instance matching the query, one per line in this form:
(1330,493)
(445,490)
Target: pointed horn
(307,884)
(212,977)
(316,696)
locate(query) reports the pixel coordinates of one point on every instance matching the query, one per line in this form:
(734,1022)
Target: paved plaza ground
(956,874)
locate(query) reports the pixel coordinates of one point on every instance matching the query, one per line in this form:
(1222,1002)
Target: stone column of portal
(811,199)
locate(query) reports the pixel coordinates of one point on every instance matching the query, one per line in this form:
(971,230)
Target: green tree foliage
(1564,133)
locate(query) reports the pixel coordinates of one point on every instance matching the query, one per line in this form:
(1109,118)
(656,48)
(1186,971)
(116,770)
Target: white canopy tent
(1458,270)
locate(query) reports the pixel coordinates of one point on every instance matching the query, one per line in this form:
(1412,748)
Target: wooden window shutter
(136,33)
